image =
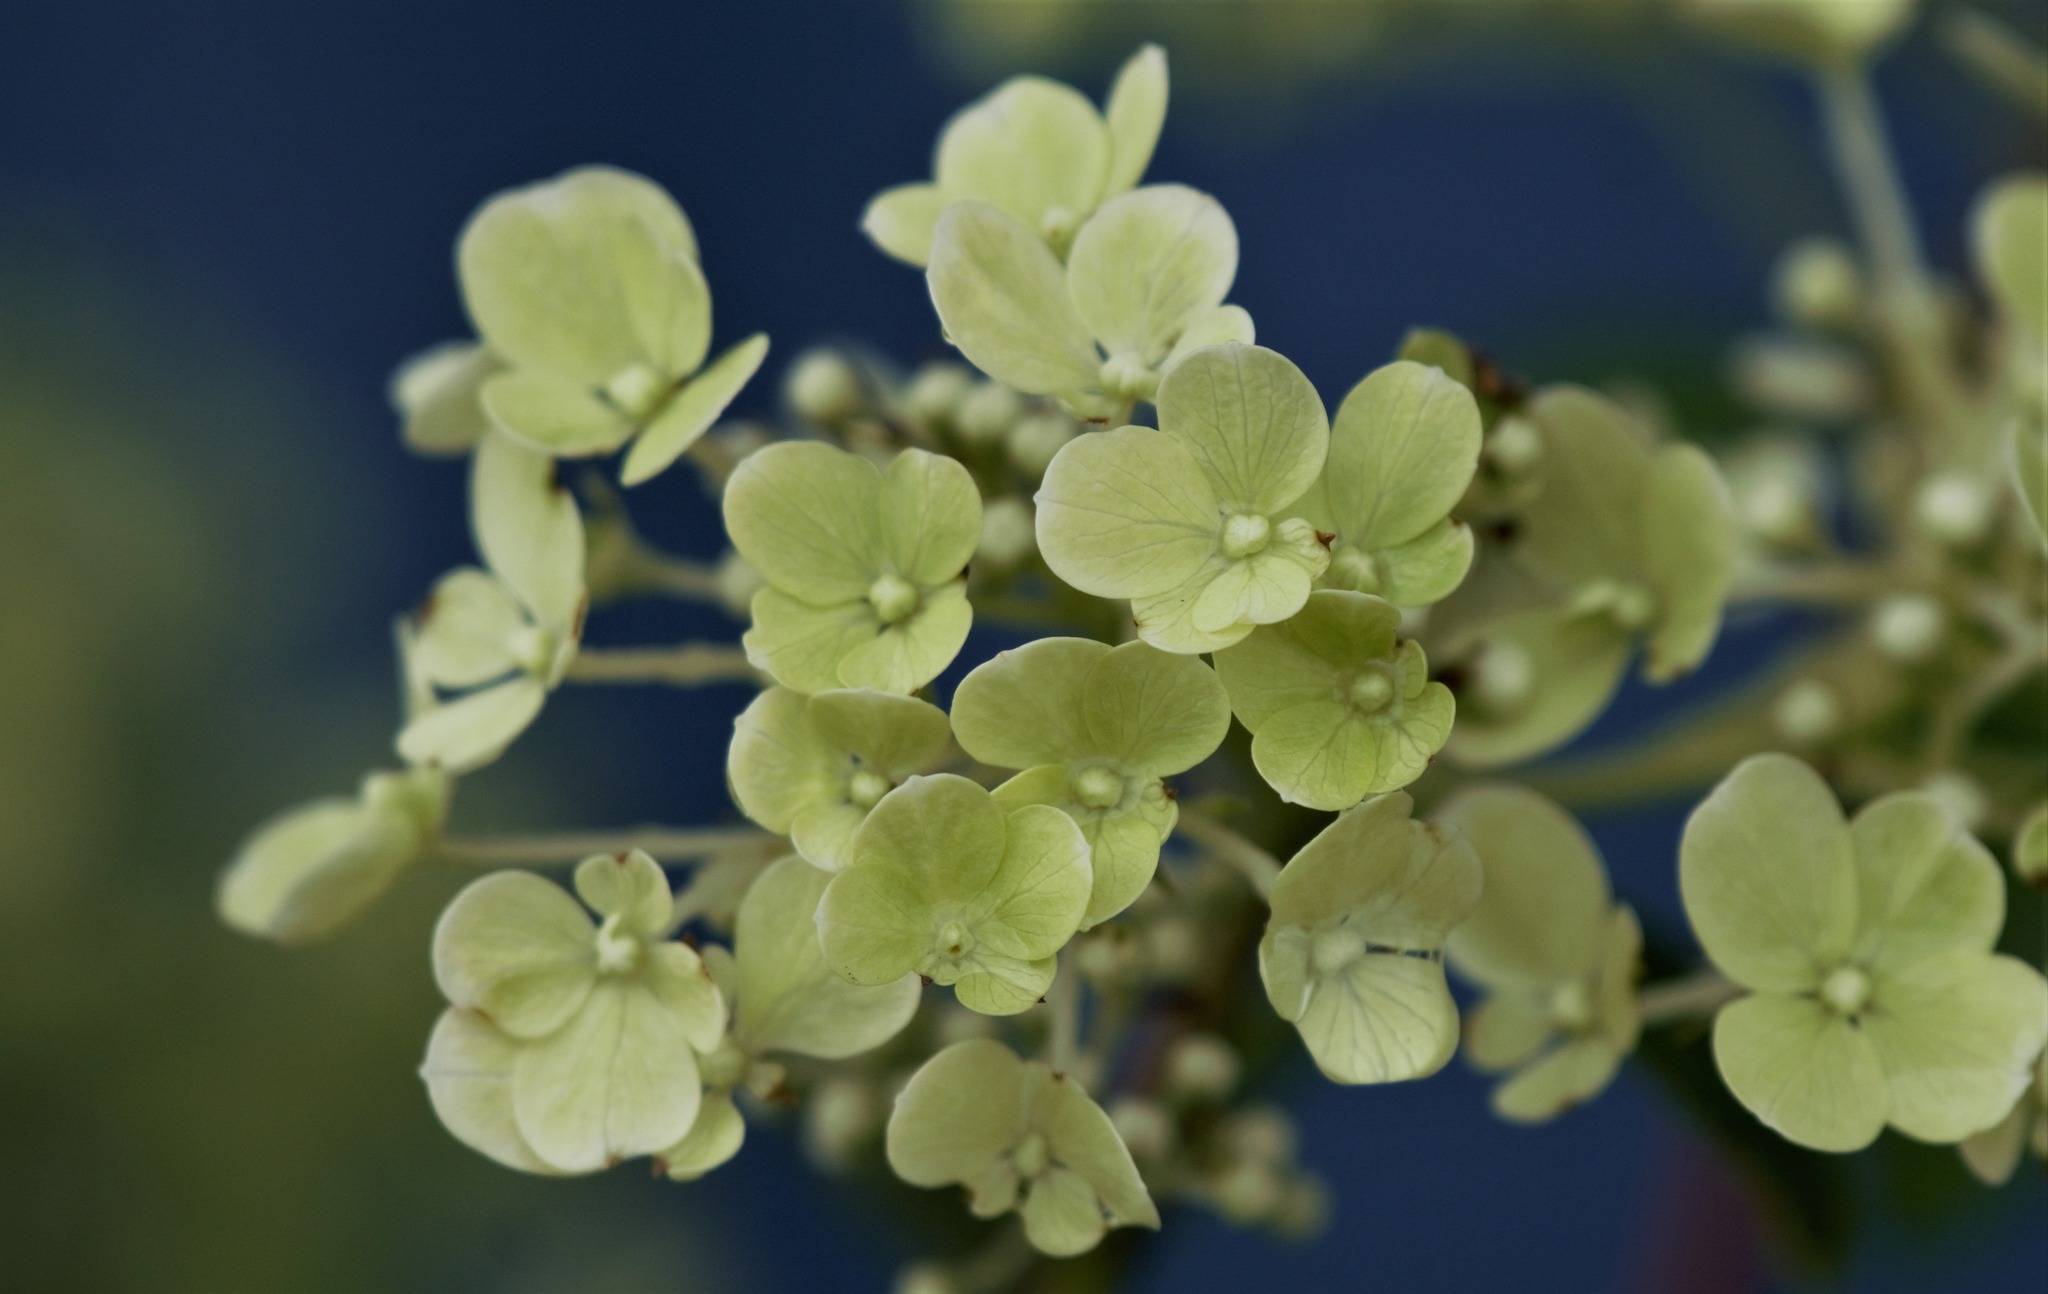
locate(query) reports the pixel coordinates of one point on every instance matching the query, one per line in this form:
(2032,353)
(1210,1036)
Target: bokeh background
(221,225)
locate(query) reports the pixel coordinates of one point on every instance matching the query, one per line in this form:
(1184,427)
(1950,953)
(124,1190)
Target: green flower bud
(1807,713)
(1008,533)
(987,413)
(1909,627)
(1201,1067)
(824,387)
(2030,848)
(1145,1126)
(1954,508)
(1817,284)
(1034,441)
(935,394)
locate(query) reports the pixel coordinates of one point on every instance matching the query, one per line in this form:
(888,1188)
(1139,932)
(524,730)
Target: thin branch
(1063,1030)
(690,665)
(1827,584)
(544,849)
(1691,997)
(1257,866)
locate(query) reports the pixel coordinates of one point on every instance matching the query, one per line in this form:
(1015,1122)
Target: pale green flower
(1815,31)
(1095,728)
(1193,522)
(863,566)
(1339,707)
(1353,955)
(312,870)
(1875,996)
(810,768)
(1018,1136)
(1993,1154)
(1557,956)
(1142,288)
(587,287)
(1035,149)
(783,998)
(947,884)
(1403,448)
(494,642)
(570,1044)
(438,392)
(1635,540)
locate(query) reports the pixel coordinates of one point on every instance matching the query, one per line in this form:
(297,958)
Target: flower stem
(543,849)
(1690,997)
(690,665)
(1063,1000)
(1257,866)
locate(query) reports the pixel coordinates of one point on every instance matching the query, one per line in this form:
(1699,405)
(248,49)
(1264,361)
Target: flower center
(866,787)
(1336,948)
(893,598)
(533,647)
(1354,569)
(1244,534)
(1058,226)
(1570,1005)
(955,940)
(1504,676)
(617,951)
(635,390)
(1627,605)
(1127,379)
(1370,690)
(1099,787)
(1846,990)
(1031,1156)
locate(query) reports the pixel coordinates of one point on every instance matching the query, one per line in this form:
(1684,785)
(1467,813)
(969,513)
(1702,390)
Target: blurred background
(222,224)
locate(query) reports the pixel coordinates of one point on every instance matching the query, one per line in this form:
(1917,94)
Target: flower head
(1403,448)
(1875,997)
(1555,954)
(1142,289)
(1036,150)
(1194,522)
(310,871)
(945,883)
(1095,728)
(863,565)
(587,288)
(490,644)
(811,767)
(1353,954)
(1338,706)
(570,1043)
(1018,1136)
(1632,540)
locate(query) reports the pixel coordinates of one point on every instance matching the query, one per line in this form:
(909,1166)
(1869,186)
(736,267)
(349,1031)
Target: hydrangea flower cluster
(989,917)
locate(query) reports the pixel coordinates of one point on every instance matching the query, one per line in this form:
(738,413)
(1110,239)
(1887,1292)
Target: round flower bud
(1817,284)
(1034,440)
(934,395)
(1803,377)
(841,1115)
(1248,1192)
(1008,535)
(1260,1132)
(1201,1067)
(927,1278)
(738,582)
(823,386)
(987,413)
(1147,1129)
(1514,447)
(1909,627)
(1807,713)
(1953,508)
(1173,947)
(1304,1208)
(2030,848)
(1960,794)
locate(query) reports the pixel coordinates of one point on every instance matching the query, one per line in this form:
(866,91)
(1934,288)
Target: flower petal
(714,1138)
(467,628)
(1127,513)
(1507,1029)
(1298,661)
(1574,663)
(468,733)
(893,734)
(789,999)
(1569,1076)
(1957,1036)
(518,949)
(1002,297)
(1543,909)
(779,763)
(439,393)
(1588,521)
(931,516)
(630,885)
(1806,1072)
(1402,451)
(1254,421)
(1039,893)
(468,1072)
(1149,264)
(1025,706)
(1428,567)
(1769,876)
(904,657)
(691,411)
(900,221)
(1155,711)
(1383,1019)
(959,1113)
(552,414)
(618,1080)
(1689,555)
(1924,885)
(802,645)
(529,531)
(807,516)
(1061,1215)
(1030,147)
(1134,114)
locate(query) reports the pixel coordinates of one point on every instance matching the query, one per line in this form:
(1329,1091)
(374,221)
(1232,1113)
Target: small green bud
(1953,508)
(1960,795)
(1245,534)
(1817,284)
(1248,1192)
(1503,678)
(1909,627)
(1514,447)
(1435,348)
(841,1115)
(1803,377)
(987,413)
(1034,441)
(1145,1126)
(1846,990)
(737,583)
(934,395)
(1008,533)
(636,390)
(1807,713)
(823,386)
(1260,1134)
(2030,848)
(1201,1067)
